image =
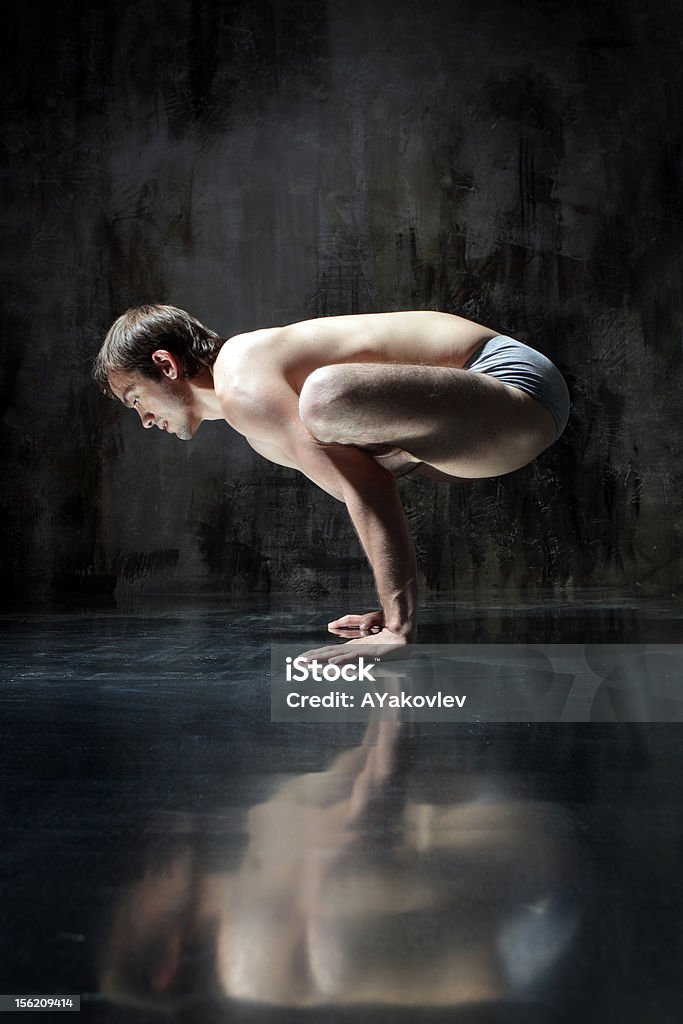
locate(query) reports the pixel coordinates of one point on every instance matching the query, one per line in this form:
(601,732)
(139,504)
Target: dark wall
(517,162)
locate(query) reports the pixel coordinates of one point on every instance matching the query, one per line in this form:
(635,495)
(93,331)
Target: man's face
(165,402)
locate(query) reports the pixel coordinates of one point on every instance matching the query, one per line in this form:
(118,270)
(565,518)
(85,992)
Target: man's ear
(166,363)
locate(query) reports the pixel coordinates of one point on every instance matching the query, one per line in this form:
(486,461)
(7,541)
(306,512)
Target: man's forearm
(371,496)
(383,530)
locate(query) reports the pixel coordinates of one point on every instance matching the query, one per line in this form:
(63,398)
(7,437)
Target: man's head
(147,359)
(133,339)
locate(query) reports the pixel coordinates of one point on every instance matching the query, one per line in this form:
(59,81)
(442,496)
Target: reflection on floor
(168,849)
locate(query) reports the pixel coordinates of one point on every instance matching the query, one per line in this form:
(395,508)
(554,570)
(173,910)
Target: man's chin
(186,433)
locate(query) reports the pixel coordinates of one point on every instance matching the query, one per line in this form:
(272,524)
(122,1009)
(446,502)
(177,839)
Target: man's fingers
(365,621)
(378,645)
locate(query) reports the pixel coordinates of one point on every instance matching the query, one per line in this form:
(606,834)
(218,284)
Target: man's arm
(372,499)
(369,492)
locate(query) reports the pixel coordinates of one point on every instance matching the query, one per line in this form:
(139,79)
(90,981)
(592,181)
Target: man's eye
(136,402)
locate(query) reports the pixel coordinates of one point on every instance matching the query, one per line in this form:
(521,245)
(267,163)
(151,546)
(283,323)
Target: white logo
(299,670)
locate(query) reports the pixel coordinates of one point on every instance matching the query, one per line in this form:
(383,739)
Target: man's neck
(204,394)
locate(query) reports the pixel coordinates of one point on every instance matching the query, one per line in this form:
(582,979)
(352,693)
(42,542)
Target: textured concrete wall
(517,162)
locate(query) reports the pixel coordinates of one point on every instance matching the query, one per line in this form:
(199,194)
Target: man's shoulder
(250,382)
(248,344)
(246,356)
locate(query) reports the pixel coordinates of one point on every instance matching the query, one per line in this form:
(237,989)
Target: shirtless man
(352,402)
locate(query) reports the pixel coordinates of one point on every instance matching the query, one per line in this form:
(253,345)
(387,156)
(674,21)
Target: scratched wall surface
(259,163)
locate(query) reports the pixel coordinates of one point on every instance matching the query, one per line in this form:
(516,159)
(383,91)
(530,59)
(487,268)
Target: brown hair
(140,331)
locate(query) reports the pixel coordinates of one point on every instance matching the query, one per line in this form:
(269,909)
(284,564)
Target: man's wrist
(406,630)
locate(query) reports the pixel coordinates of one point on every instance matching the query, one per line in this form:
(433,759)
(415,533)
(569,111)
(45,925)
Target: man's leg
(462,423)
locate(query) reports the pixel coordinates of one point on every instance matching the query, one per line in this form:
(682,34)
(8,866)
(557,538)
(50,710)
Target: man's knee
(323,403)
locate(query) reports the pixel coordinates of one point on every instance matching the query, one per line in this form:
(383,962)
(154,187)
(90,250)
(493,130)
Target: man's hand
(382,644)
(359,624)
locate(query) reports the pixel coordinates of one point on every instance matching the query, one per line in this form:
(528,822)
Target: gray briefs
(515,363)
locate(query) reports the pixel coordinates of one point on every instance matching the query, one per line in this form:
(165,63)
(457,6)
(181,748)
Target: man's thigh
(461,423)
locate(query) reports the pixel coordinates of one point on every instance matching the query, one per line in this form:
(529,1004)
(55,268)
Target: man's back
(293,352)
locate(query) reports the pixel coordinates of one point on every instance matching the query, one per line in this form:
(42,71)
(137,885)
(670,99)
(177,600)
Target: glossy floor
(167,848)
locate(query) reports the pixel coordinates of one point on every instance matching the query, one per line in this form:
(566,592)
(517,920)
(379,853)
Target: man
(352,402)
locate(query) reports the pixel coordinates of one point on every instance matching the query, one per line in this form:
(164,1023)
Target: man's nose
(147,419)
